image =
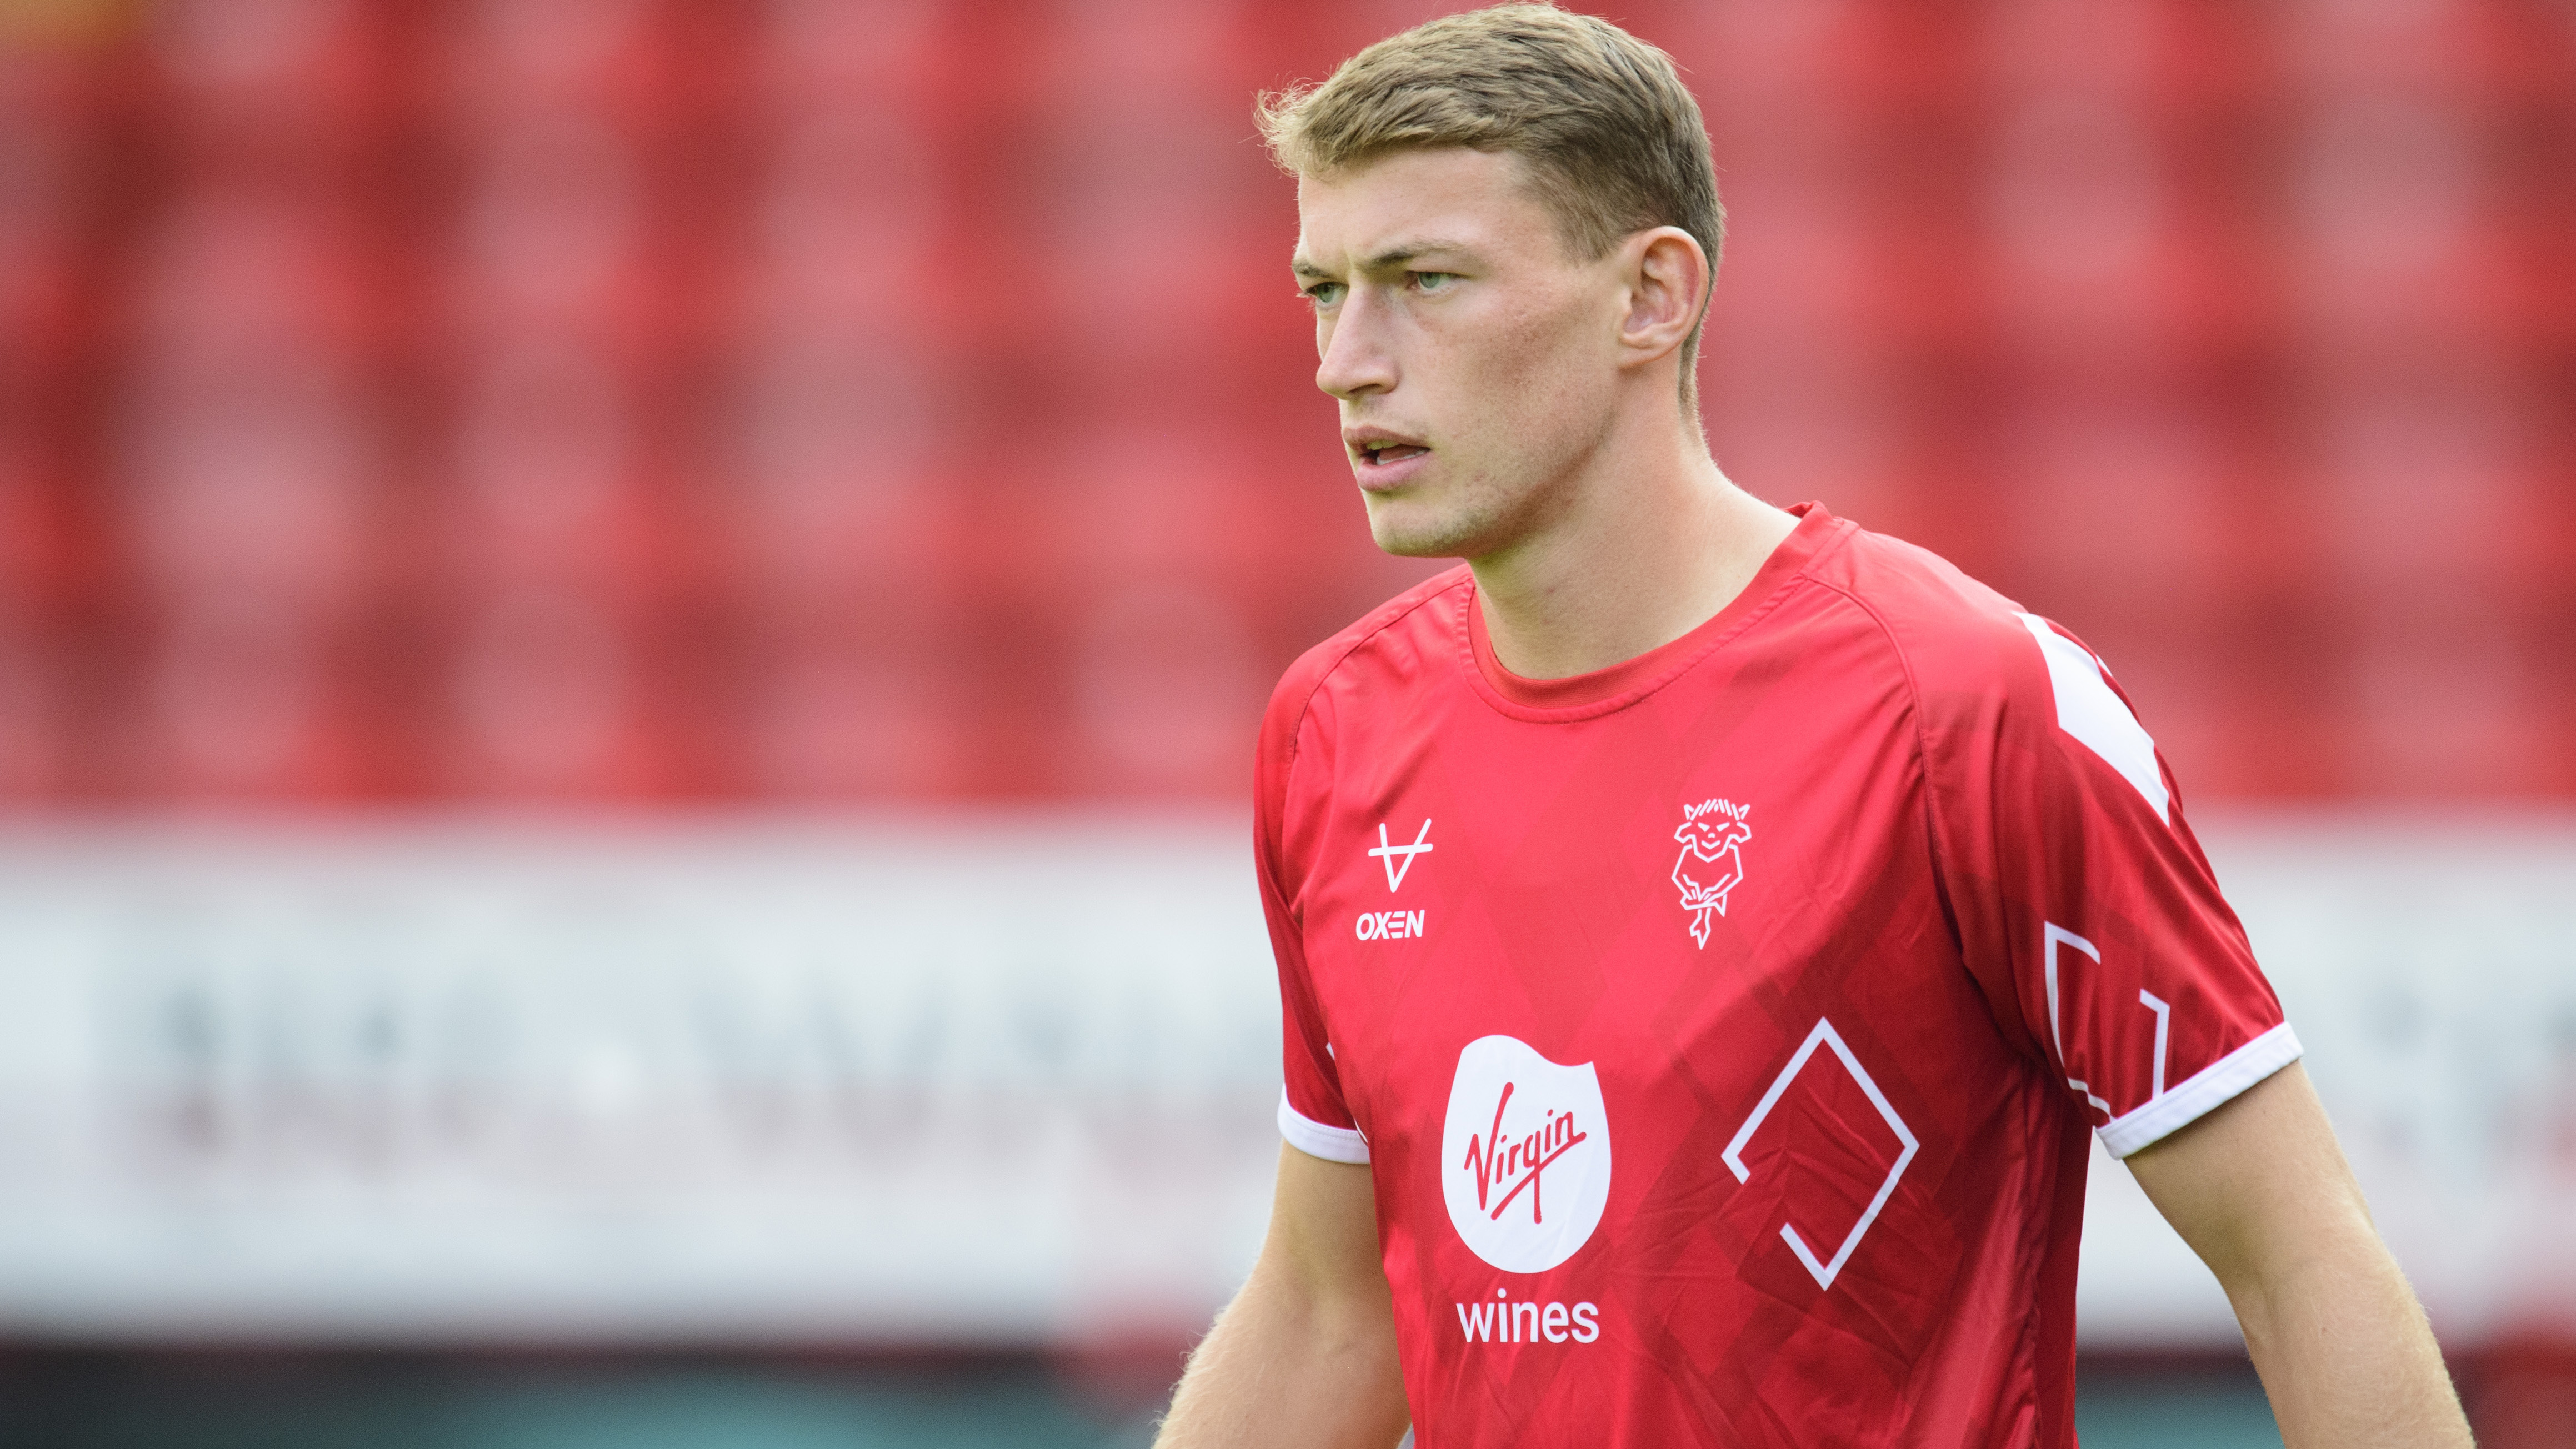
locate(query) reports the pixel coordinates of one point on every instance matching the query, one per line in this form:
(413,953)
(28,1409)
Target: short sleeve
(2085,908)
(1312,1115)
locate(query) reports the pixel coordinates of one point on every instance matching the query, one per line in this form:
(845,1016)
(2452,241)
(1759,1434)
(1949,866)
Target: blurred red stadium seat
(556,694)
(253,81)
(602,397)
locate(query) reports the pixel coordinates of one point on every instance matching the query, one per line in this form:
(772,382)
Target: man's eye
(1325,294)
(1434,281)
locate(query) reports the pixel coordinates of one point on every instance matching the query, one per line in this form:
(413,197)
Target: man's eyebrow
(1406,251)
(1393,256)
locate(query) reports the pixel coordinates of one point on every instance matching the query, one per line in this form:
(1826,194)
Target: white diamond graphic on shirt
(1822,1270)
(1525,1156)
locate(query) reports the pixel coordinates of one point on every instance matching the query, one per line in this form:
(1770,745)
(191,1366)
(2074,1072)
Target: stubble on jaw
(1523,473)
(1453,532)
(1480,516)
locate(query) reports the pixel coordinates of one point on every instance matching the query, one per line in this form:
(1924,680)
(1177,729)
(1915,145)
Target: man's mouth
(1384,453)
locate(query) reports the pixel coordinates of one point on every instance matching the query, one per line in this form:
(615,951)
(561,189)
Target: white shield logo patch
(1525,1158)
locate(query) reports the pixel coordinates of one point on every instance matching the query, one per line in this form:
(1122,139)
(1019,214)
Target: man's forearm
(1277,1370)
(2344,1350)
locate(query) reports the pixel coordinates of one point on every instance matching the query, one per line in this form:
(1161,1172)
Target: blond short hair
(1612,140)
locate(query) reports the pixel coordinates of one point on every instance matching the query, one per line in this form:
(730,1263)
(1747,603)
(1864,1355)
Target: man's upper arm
(1305,1357)
(2258,1183)
(2259,1189)
(1323,1234)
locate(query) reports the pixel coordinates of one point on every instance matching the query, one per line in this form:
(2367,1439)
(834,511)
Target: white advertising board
(961,1079)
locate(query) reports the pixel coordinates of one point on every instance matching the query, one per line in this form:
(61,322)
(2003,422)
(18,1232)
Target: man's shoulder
(1954,635)
(1989,676)
(1395,633)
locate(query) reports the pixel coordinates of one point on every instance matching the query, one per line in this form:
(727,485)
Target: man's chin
(1414,536)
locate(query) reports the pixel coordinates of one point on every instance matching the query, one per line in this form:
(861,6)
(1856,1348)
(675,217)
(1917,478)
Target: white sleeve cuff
(2210,1088)
(1333,1144)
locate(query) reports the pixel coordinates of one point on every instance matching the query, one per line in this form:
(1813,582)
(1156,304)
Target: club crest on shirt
(1711,862)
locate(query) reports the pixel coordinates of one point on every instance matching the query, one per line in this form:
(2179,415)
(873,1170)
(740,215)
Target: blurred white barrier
(959,1079)
(917,1080)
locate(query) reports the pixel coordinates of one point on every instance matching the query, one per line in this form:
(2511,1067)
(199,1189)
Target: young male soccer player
(1707,932)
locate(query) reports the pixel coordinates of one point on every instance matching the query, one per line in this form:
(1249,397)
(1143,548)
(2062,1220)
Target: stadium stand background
(638,408)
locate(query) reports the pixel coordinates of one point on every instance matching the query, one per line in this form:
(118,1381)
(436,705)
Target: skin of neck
(1640,542)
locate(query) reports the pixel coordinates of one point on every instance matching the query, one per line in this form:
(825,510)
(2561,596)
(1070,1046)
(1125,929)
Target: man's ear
(1668,277)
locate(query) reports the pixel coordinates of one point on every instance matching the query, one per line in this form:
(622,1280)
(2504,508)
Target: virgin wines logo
(1525,1156)
(1498,1160)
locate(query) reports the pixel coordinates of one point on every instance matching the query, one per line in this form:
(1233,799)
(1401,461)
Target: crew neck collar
(1582,696)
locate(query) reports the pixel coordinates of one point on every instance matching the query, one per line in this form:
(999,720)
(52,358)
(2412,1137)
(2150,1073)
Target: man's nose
(1356,358)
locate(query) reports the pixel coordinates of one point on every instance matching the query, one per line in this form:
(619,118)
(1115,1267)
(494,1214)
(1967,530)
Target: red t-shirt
(1722,1029)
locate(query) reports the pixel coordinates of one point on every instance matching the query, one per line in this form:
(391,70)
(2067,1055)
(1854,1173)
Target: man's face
(1474,358)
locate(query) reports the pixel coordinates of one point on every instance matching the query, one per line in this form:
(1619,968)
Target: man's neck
(1648,550)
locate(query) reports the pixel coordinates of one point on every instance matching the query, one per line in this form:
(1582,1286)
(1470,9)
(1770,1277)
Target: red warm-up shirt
(1722,1029)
